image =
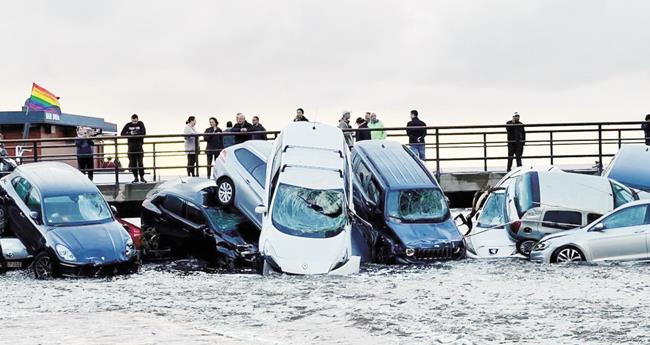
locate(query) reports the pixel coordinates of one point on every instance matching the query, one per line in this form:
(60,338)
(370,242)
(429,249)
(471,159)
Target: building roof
(42,117)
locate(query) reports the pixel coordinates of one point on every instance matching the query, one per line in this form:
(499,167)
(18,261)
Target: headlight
(409,251)
(130,248)
(65,253)
(541,246)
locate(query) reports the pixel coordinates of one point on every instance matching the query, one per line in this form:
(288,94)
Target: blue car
(407,211)
(64,222)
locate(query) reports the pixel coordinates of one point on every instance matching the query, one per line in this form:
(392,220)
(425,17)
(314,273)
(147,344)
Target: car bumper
(110,269)
(541,256)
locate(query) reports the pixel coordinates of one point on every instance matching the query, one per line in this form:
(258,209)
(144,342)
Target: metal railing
(446,147)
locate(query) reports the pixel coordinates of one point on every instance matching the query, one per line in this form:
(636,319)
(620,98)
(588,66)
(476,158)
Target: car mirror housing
(260,209)
(598,227)
(114,210)
(34,215)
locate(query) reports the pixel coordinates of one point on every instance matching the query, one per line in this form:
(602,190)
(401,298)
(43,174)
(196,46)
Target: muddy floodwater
(467,302)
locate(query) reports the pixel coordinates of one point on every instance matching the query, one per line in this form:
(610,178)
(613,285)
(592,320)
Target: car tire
(151,244)
(525,246)
(225,191)
(44,266)
(567,255)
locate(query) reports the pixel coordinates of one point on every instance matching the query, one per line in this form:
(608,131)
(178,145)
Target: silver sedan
(620,235)
(240,172)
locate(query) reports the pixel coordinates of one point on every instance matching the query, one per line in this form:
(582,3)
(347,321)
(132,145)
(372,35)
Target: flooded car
(408,212)
(64,222)
(183,218)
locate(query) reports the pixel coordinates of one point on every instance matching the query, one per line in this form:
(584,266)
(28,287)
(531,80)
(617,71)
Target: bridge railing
(471,147)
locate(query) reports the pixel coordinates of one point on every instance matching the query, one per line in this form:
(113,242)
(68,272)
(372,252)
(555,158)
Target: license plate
(14,264)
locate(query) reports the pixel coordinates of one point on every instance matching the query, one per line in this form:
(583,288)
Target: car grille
(433,254)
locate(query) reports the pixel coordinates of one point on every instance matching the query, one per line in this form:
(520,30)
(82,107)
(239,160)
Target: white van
(308,210)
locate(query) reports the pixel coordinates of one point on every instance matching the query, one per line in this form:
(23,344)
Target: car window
(194,215)
(368,183)
(526,192)
(173,204)
(622,195)
(34,201)
(259,174)
(591,217)
(631,216)
(247,159)
(22,187)
(562,219)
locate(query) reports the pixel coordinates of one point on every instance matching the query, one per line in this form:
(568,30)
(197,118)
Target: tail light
(223,154)
(514,226)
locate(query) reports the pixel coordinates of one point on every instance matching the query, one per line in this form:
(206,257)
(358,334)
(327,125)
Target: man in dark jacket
(214,143)
(136,154)
(646,129)
(300,115)
(416,135)
(242,126)
(516,140)
(361,135)
(84,146)
(257,127)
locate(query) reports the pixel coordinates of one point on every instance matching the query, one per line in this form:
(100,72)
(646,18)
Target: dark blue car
(64,222)
(396,194)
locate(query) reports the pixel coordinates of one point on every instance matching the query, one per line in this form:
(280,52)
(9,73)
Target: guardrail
(446,146)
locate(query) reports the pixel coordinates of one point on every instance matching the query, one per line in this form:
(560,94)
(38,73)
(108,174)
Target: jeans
(515,150)
(418,149)
(191,164)
(136,164)
(86,166)
(211,155)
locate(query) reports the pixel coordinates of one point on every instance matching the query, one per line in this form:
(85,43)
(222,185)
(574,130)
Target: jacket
(190,141)
(377,135)
(135,144)
(237,128)
(416,135)
(298,119)
(646,132)
(516,133)
(84,147)
(343,124)
(228,140)
(362,135)
(258,128)
(215,142)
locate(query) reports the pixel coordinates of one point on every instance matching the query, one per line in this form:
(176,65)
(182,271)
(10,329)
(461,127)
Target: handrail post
(438,154)
(154,160)
(551,145)
(600,148)
(197,148)
(34,151)
(117,169)
(485,152)
(619,139)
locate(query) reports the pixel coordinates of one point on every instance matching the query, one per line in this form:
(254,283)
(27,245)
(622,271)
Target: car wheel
(225,191)
(43,266)
(151,246)
(524,247)
(568,255)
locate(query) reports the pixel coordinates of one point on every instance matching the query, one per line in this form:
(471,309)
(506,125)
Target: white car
(308,211)
(619,235)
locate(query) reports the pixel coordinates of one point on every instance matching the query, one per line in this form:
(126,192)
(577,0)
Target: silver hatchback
(240,171)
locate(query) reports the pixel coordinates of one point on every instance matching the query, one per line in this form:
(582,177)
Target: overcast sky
(458,62)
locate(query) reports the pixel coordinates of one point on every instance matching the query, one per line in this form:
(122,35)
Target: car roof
(262,147)
(394,165)
(188,188)
(55,178)
(631,166)
(572,190)
(313,134)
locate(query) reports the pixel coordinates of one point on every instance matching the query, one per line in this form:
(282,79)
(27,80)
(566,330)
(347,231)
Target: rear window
(591,217)
(173,204)
(526,192)
(562,219)
(622,195)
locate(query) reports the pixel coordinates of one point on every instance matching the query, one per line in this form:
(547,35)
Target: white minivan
(308,210)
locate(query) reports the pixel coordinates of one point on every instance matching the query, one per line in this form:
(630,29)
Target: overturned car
(184,218)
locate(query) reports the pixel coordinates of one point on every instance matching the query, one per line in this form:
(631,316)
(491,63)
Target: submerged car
(183,218)
(619,235)
(240,171)
(631,167)
(539,203)
(64,222)
(307,210)
(13,255)
(398,196)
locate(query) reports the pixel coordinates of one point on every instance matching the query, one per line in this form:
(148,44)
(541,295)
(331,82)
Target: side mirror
(34,215)
(598,227)
(260,209)
(114,210)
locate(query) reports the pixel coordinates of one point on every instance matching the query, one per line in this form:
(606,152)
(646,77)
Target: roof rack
(286,147)
(311,167)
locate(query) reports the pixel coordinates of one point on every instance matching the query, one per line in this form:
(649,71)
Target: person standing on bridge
(376,124)
(416,135)
(344,123)
(136,153)
(361,134)
(516,140)
(190,145)
(228,139)
(215,142)
(300,115)
(242,126)
(84,144)
(646,129)
(257,127)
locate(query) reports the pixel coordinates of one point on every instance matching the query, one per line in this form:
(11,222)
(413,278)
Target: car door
(200,240)
(18,211)
(170,226)
(252,175)
(624,236)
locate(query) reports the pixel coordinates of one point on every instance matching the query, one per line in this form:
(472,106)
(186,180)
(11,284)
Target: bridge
(463,158)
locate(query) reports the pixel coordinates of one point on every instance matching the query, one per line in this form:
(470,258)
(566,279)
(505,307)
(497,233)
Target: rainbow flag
(43,100)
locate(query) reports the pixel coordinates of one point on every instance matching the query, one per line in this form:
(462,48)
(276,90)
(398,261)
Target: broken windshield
(307,212)
(417,205)
(492,212)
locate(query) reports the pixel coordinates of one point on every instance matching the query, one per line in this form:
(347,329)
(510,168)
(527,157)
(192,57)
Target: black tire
(225,191)
(44,266)
(525,246)
(567,255)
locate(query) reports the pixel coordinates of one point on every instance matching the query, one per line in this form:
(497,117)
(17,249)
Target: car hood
(561,234)
(425,235)
(301,255)
(93,244)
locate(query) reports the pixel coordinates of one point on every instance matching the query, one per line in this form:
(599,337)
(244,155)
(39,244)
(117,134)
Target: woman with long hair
(215,143)
(190,145)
